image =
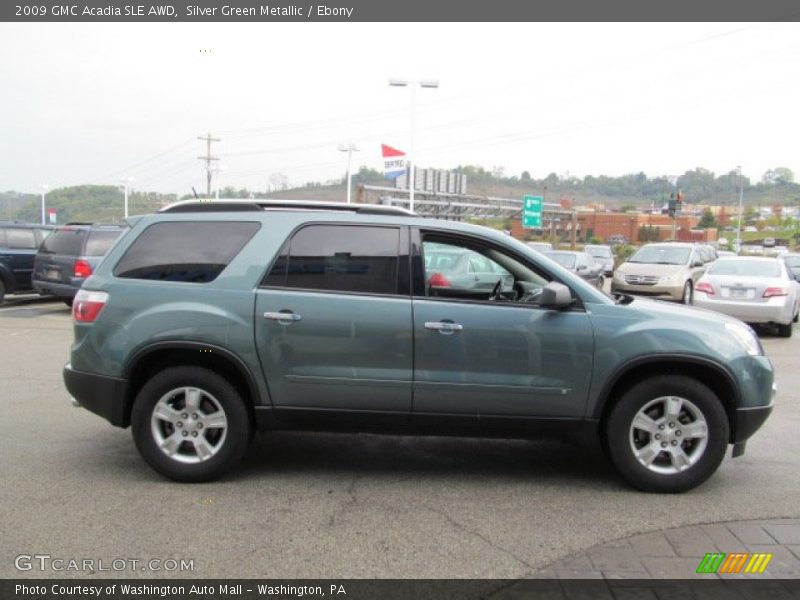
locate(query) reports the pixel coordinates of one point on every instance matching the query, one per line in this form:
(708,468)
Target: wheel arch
(153,358)
(706,371)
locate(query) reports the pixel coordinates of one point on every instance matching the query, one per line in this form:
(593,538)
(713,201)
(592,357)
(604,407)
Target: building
(605,224)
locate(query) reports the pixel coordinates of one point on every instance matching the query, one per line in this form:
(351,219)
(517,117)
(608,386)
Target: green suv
(208,321)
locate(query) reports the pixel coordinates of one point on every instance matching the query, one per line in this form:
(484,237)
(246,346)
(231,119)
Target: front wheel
(667,434)
(688,293)
(190,424)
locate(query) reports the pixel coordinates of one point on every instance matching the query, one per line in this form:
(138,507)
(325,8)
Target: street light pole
(349,148)
(429,84)
(741,215)
(45,187)
(126,181)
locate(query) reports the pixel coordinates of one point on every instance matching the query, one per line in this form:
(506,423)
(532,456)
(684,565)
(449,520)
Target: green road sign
(532,211)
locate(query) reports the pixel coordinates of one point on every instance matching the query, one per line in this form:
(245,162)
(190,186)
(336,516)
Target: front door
(333,329)
(483,355)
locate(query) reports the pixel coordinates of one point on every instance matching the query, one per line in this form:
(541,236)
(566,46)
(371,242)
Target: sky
(98,102)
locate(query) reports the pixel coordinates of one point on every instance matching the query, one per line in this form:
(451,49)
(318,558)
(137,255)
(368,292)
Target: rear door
(21,249)
(56,259)
(333,323)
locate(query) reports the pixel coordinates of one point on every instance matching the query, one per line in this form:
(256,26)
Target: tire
(68,301)
(666,472)
(2,291)
(214,435)
(785,331)
(688,293)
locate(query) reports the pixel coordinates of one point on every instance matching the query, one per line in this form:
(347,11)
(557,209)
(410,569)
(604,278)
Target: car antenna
(196,197)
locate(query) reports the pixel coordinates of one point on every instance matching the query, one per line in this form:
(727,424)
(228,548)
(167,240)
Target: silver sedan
(755,290)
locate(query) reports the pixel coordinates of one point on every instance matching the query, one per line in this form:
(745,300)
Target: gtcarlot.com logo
(46,562)
(735,562)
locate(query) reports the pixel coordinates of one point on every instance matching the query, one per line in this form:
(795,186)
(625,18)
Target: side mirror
(555,295)
(582,268)
(697,263)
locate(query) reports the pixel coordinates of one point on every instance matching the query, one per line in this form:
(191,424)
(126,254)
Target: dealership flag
(394,162)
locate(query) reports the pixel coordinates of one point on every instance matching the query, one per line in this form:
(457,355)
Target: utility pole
(44,187)
(208,160)
(349,148)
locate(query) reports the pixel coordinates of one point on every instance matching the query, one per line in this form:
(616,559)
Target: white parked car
(753,289)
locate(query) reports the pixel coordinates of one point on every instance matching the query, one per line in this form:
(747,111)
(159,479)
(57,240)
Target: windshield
(562,258)
(793,261)
(599,251)
(745,268)
(661,255)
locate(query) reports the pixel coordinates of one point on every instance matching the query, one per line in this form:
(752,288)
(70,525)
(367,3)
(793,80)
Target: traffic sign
(532,212)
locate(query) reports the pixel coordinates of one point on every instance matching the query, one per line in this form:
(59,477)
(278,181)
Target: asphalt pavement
(331,505)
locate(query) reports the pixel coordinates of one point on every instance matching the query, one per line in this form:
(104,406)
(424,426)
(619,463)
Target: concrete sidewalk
(677,553)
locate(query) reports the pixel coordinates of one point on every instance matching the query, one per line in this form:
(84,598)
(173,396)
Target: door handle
(444,326)
(282,316)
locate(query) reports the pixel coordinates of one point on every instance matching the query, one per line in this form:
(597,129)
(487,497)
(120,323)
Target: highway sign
(532,211)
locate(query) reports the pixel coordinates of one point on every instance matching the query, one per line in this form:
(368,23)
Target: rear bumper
(60,290)
(778,311)
(104,396)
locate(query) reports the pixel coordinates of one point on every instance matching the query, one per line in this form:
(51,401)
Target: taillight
(770,292)
(705,287)
(439,280)
(82,269)
(87,305)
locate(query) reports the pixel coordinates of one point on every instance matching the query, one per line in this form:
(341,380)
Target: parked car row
(53,261)
(757,290)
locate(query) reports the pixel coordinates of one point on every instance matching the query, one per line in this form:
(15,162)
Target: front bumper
(674,292)
(102,395)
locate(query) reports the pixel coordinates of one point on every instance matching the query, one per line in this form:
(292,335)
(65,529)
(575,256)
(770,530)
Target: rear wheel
(190,424)
(785,330)
(2,291)
(688,293)
(667,434)
(68,301)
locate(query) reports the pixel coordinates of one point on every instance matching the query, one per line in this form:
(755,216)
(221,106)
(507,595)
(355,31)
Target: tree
(783,176)
(707,221)
(648,233)
(526,177)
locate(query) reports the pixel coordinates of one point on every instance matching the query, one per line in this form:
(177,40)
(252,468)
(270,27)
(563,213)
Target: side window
(340,258)
(21,239)
(487,268)
(194,252)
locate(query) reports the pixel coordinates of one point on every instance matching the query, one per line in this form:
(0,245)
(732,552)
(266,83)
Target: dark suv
(69,255)
(18,245)
(208,321)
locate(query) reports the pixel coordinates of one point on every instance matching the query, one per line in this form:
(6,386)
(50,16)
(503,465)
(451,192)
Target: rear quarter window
(195,252)
(21,239)
(100,241)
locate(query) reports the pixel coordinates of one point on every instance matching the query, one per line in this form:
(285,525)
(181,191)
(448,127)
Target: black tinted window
(194,252)
(21,239)
(342,258)
(100,241)
(65,241)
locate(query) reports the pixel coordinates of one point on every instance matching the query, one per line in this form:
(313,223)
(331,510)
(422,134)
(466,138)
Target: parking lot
(327,505)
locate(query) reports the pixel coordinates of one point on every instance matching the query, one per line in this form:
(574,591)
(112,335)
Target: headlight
(746,337)
(619,276)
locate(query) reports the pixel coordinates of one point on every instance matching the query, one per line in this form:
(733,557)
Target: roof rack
(262,205)
(93,224)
